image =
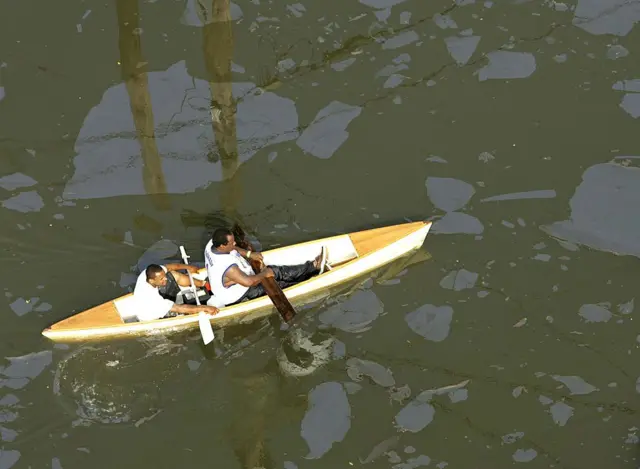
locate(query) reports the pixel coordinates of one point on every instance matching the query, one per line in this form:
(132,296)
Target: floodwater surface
(129,128)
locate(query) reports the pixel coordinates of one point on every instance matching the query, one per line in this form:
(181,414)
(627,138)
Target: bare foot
(317,263)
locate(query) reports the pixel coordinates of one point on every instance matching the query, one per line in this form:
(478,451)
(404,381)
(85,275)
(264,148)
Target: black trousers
(285,276)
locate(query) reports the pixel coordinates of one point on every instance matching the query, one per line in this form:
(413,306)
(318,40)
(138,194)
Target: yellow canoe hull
(352,255)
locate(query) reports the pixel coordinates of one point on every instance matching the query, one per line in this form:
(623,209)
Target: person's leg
(284,285)
(294,273)
(297,273)
(258,290)
(286,276)
(252,293)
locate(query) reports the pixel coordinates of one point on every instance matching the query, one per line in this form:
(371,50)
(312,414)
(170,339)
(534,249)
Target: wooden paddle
(270,285)
(206,330)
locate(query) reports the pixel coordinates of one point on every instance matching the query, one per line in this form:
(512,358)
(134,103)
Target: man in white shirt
(233,280)
(156,301)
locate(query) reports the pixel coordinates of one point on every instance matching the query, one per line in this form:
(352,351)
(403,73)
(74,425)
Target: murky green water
(509,340)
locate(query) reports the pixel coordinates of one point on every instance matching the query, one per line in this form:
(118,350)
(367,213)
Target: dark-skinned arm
(173,267)
(194,309)
(235,275)
(256,256)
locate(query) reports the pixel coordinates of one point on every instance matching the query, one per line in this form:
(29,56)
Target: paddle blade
(279,299)
(205,328)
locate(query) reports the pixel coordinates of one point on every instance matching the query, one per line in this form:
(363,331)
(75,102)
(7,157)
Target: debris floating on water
(507,65)
(576,385)
(381,448)
(431,322)
(461,50)
(327,132)
(525,455)
(380,375)
(520,323)
(327,420)
(25,202)
(561,413)
(541,194)
(448,194)
(15,181)
(595,313)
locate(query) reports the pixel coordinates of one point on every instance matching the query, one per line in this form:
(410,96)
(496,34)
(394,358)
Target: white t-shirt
(217,265)
(150,304)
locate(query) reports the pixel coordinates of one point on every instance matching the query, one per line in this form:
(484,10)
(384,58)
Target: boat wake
(102,385)
(299,355)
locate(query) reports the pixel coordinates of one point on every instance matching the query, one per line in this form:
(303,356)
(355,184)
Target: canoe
(350,256)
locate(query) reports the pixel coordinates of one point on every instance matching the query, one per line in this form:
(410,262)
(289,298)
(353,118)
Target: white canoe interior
(351,256)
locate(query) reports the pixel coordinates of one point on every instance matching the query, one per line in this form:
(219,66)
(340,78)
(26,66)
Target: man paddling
(157,288)
(233,280)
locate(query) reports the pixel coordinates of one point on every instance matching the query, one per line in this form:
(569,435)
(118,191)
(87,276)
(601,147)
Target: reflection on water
(451,195)
(380,375)
(431,322)
(419,413)
(29,201)
(380,449)
(163,251)
(8,458)
(251,400)
(541,194)
(15,181)
(199,13)
(508,65)
(23,369)
(462,48)
(355,314)
(448,194)
(327,420)
(22,306)
(512,346)
(136,82)
(218,48)
(594,313)
(15,376)
(631,100)
(456,222)
(600,209)
(561,413)
(315,354)
(107,162)
(576,384)
(459,280)
(607,17)
(327,133)
(524,455)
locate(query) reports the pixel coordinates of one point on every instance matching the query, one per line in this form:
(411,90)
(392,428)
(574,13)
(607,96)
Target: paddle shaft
(206,330)
(275,293)
(193,284)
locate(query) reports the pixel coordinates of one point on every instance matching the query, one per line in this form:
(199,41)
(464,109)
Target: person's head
(156,276)
(223,240)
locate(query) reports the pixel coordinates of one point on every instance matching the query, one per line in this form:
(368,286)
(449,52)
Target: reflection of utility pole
(134,75)
(248,432)
(218,52)
(251,401)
